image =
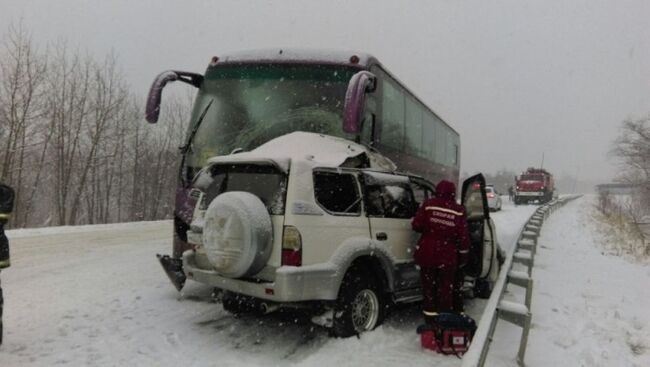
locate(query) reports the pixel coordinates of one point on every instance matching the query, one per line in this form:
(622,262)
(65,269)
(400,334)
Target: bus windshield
(246,105)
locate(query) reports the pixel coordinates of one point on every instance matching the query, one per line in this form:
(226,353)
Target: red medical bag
(449,334)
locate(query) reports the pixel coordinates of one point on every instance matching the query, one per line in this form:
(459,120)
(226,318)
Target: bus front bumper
(173,267)
(530,193)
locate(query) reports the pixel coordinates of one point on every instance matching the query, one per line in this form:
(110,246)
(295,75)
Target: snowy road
(96,296)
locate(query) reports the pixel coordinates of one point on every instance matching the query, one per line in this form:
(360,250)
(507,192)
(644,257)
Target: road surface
(96,296)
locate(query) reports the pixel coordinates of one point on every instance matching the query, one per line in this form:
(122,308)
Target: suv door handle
(381,236)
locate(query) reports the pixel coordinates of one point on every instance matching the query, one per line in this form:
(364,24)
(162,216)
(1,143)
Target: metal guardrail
(517,313)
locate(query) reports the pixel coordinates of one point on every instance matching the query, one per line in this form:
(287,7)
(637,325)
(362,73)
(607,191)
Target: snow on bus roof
(319,149)
(296,55)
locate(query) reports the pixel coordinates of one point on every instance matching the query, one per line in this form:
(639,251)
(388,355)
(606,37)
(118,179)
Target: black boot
(4,248)
(1,304)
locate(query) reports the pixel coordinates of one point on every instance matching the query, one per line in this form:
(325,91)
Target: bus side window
(391,110)
(368,129)
(369,121)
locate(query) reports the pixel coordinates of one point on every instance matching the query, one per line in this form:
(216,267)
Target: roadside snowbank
(31,232)
(589,308)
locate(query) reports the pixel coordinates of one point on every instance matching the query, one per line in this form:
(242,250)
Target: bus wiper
(188,144)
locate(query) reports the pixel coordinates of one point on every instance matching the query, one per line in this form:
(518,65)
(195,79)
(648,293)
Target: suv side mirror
(355,96)
(155,92)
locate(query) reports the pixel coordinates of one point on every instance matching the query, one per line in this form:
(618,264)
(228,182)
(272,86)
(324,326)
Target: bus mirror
(155,92)
(360,83)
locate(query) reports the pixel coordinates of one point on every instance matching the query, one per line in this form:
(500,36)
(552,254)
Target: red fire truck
(535,184)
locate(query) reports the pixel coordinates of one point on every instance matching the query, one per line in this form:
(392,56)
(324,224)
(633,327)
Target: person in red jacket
(442,250)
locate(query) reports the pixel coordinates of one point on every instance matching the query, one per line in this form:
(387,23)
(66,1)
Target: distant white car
(493,197)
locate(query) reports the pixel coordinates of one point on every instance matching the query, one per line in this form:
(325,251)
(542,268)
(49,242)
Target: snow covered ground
(589,308)
(95,295)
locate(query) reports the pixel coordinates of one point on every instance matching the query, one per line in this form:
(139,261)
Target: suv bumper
(291,284)
(530,193)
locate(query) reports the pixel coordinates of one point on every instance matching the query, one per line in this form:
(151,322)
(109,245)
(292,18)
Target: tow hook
(265,308)
(174,269)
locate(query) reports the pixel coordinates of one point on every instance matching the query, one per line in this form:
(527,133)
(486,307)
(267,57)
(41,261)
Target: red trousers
(441,289)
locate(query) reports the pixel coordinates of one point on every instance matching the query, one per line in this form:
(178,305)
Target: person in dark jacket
(442,250)
(6,207)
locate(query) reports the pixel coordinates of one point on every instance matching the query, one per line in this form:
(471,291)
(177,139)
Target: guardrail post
(527,244)
(525,259)
(519,315)
(533,228)
(523,280)
(529,234)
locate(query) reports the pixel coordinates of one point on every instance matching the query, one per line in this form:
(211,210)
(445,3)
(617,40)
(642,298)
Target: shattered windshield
(256,103)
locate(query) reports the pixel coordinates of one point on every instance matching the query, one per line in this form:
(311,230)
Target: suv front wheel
(360,306)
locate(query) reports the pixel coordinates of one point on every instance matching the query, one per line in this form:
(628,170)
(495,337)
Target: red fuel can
(428,340)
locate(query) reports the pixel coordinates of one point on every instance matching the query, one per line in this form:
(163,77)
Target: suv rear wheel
(360,305)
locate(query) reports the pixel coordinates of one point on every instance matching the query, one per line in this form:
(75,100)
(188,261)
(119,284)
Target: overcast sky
(517,79)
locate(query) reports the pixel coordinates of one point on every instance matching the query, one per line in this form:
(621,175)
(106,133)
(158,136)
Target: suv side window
(390,201)
(374,201)
(420,193)
(337,193)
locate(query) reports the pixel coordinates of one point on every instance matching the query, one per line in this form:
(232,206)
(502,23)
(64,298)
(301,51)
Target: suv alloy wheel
(360,305)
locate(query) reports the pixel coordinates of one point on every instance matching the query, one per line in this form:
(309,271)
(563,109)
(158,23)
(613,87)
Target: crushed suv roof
(318,149)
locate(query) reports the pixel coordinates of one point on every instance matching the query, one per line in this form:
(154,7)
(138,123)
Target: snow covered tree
(23,141)
(632,147)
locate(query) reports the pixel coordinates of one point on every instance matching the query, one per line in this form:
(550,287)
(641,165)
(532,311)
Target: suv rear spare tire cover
(237,234)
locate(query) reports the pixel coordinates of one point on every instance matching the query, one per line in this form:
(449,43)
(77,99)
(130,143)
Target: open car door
(482,263)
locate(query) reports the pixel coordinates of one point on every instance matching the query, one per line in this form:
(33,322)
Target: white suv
(329,230)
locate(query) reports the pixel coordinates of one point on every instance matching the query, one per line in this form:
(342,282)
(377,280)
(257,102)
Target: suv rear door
(483,251)
(338,194)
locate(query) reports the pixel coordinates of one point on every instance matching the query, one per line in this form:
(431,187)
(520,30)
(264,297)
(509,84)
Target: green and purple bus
(246,99)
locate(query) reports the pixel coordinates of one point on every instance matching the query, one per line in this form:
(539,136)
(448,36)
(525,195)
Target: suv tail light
(490,195)
(291,246)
